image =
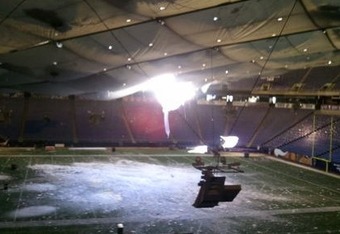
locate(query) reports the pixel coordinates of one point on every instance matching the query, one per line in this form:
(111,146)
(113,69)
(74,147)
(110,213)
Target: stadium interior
(134,84)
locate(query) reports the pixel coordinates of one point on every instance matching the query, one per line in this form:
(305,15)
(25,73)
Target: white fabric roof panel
(112,44)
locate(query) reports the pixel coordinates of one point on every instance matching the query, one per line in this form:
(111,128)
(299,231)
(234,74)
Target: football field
(152,191)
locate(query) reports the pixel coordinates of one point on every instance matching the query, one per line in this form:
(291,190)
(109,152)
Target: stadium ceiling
(89,47)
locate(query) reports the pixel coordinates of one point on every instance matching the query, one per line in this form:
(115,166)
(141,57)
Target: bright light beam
(170,94)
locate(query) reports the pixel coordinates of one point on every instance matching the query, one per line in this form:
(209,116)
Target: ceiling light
(104,69)
(59,44)
(273,35)
(279,19)
(305,50)
(215,18)
(253,61)
(128,67)
(129,59)
(110,47)
(203,64)
(272,100)
(226,71)
(150,44)
(261,57)
(219,40)
(330,62)
(165,54)
(55,63)
(124,84)
(128,20)
(286,66)
(179,67)
(162,8)
(206,79)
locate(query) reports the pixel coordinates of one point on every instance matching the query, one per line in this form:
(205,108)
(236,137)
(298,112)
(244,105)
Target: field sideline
(152,191)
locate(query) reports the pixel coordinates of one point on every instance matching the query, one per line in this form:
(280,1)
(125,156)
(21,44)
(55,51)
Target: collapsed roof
(87,48)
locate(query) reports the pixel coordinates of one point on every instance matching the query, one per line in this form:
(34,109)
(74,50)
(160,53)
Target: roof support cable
(269,55)
(114,36)
(274,46)
(287,129)
(11,12)
(307,134)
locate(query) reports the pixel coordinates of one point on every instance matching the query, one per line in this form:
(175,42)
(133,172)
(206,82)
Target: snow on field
(32,211)
(128,187)
(110,186)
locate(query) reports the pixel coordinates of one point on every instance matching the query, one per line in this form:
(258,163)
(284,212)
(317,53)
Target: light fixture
(215,18)
(261,57)
(162,8)
(305,50)
(59,44)
(128,20)
(253,99)
(274,35)
(150,44)
(104,69)
(55,63)
(226,71)
(279,19)
(110,47)
(272,100)
(229,98)
(219,40)
(329,62)
(129,59)
(165,54)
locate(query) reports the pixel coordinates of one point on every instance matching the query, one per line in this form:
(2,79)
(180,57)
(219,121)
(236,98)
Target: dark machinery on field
(212,189)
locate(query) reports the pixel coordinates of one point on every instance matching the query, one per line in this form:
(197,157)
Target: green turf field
(152,191)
